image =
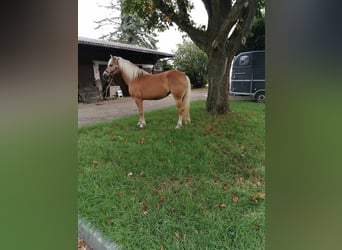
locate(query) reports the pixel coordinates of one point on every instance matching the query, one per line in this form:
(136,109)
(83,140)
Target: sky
(90,11)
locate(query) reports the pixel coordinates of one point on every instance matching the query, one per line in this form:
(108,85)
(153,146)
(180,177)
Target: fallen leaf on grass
(142,141)
(95,162)
(257,181)
(120,193)
(258,196)
(162,198)
(144,212)
(82,245)
(222,205)
(143,204)
(235,199)
(240,180)
(179,237)
(130,174)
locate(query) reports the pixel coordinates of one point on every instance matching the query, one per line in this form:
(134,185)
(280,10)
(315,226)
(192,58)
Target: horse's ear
(111,56)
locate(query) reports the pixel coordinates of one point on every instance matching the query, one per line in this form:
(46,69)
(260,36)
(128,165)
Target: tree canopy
(257,39)
(128,28)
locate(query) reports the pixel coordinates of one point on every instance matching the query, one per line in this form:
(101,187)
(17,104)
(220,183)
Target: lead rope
(110,84)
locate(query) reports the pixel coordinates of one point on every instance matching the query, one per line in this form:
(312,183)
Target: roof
(116,45)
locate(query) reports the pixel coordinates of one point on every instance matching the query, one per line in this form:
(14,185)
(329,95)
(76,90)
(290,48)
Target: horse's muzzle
(106,76)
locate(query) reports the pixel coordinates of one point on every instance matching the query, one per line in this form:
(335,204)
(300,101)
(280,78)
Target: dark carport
(93,55)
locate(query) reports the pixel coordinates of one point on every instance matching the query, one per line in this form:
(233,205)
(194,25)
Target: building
(93,56)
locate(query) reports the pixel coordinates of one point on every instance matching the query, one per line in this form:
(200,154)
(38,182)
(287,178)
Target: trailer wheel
(260,97)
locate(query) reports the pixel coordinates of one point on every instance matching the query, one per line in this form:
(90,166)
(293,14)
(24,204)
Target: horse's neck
(125,78)
(133,73)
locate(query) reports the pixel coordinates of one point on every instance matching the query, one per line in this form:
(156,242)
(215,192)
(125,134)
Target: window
(244,60)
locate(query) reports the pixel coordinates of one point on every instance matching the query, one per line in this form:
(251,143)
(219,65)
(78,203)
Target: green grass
(162,188)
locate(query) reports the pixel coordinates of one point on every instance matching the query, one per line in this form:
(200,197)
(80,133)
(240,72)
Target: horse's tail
(186,101)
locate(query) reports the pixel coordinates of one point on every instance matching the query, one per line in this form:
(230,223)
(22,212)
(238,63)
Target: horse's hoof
(141,124)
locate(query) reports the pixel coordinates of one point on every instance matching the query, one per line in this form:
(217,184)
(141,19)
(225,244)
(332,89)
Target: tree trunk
(219,63)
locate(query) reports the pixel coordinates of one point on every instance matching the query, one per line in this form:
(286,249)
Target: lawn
(199,187)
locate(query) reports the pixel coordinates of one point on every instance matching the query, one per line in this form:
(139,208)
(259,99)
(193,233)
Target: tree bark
(218,72)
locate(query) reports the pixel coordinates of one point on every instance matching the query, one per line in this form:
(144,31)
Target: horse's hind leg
(139,103)
(187,119)
(180,107)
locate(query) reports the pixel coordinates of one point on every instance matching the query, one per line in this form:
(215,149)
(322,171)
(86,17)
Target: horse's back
(174,72)
(176,77)
(169,76)
(150,87)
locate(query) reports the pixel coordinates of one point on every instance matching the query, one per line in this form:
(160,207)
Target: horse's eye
(110,65)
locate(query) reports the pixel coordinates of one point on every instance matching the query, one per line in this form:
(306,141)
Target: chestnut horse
(145,86)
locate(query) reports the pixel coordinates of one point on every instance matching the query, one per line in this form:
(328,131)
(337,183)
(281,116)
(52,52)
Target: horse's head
(112,68)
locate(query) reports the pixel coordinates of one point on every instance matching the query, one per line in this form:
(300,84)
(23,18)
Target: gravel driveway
(112,109)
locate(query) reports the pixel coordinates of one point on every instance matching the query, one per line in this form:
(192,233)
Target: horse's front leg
(142,121)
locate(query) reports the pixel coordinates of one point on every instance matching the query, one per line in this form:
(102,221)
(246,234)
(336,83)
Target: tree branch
(239,38)
(231,19)
(208,7)
(182,20)
(248,17)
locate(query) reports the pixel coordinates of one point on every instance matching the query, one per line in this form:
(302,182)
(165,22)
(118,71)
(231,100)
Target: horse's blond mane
(131,71)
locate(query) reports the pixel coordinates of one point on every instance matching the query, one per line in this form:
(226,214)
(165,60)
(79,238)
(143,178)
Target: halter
(114,66)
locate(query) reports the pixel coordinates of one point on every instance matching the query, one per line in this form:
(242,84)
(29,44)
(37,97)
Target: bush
(193,61)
